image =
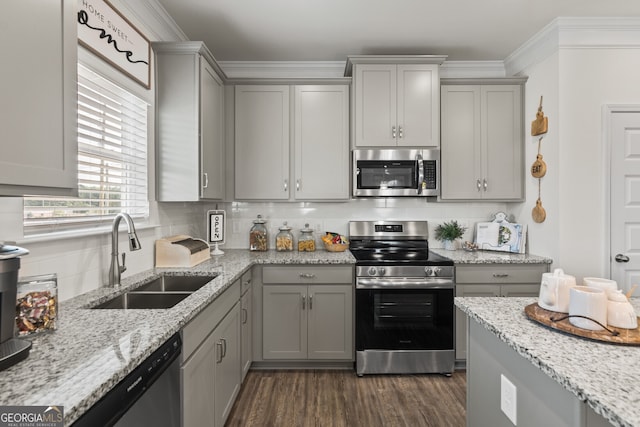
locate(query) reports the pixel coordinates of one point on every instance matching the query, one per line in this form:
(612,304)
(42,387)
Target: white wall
(576,82)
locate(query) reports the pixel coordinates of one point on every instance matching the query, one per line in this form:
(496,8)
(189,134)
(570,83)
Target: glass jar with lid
(258,240)
(307,241)
(284,239)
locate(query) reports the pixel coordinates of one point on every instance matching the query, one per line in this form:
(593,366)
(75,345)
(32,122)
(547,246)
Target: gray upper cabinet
(39,120)
(292,142)
(396,101)
(189,123)
(482,139)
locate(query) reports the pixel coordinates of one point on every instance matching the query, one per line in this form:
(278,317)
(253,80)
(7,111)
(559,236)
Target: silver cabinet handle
(304,302)
(500,275)
(245,316)
(297,185)
(219,355)
(311,302)
(400,134)
(224,347)
(286,185)
(478,184)
(484,184)
(621,258)
(307,275)
(206,180)
(393,132)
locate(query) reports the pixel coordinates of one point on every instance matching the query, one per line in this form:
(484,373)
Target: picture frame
(103,30)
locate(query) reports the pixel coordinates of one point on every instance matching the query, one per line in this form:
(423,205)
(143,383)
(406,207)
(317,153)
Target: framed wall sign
(107,33)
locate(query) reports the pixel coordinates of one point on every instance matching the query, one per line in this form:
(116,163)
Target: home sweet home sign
(107,33)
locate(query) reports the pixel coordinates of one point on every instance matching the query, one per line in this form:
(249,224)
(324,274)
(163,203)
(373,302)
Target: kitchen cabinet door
(198,386)
(321,142)
(330,325)
(227,365)
(396,105)
(262,142)
(246,320)
(39,120)
(189,123)
(284,322)
(482,139)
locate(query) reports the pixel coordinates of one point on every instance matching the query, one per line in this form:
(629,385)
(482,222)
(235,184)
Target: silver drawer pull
(307,275)
(500,275)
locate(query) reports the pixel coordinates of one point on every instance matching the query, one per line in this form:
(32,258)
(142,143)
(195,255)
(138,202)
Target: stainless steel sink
(167,283)
(144,300)
(162,292)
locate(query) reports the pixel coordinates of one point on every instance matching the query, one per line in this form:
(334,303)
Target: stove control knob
(382,271)
(432,271)
(372,271)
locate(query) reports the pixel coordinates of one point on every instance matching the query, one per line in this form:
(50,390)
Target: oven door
(404,319)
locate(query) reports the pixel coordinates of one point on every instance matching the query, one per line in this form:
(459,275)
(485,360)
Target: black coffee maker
(12,350)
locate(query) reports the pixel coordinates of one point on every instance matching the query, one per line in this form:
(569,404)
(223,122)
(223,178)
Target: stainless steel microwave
(396,172)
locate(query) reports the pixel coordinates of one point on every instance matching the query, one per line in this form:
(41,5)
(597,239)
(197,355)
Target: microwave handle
(420,172)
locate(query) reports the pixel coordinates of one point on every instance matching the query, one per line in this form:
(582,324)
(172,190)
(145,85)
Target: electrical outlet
(508,399)
(235,224)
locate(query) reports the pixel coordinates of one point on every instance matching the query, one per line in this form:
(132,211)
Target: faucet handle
(123,267)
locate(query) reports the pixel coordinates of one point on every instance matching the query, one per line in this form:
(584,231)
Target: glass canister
(37,304)
(284,239)
(307,241)
(258,240)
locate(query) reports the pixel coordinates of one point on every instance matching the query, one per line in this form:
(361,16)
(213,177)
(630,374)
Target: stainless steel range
(404,300)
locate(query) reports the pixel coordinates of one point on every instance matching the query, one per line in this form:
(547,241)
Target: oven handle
(409,283)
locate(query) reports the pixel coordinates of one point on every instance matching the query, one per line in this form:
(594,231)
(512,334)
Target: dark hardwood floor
(340,398)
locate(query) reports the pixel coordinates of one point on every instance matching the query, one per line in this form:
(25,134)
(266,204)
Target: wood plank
(340,398)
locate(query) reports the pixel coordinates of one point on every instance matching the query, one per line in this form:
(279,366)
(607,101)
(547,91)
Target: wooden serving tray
(540,315)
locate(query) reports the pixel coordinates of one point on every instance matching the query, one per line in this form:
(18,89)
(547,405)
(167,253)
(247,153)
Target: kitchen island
(92,350)
(560,379)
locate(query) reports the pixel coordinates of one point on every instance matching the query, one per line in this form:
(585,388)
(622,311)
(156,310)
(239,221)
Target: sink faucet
(134,245)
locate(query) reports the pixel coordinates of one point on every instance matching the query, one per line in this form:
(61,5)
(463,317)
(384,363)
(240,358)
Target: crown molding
(472,69)
(283,69)
(151,15)
(574,33)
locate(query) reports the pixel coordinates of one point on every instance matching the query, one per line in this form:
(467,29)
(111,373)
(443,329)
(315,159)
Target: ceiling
(330,30)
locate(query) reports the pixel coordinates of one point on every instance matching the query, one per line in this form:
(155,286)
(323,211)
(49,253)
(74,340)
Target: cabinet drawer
(501,273)
(245,282)
(197,330)
(305,274)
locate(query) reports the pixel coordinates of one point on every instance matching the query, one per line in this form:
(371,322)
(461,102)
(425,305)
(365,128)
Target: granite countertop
(491,257)
(605,376)
(92,350)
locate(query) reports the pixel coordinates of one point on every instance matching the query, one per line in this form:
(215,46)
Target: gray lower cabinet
(307,313)
(210,369)
(493,280)
(246,321)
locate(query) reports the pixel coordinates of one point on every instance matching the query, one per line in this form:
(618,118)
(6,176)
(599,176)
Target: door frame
(608,110)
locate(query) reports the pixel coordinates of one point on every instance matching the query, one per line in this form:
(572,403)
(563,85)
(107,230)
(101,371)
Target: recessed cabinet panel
(262,142)
(39,120)
(375,105)
(321,142)
(212,134)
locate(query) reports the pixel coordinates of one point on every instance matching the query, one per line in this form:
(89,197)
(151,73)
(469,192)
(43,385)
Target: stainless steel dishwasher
(148,396)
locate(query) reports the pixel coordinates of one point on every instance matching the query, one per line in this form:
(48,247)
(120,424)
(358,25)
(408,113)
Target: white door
(624,133)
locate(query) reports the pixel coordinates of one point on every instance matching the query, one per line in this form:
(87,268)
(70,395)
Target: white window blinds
(112,160)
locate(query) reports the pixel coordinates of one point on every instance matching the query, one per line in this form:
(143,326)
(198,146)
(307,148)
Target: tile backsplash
(82,262)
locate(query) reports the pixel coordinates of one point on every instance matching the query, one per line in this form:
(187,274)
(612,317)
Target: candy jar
(258,240)
(307,241)
(284,239)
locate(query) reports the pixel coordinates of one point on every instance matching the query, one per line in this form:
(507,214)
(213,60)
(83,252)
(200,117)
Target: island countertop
(92,350)
(605,376)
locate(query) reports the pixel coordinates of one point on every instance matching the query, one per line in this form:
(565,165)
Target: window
(112,161)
